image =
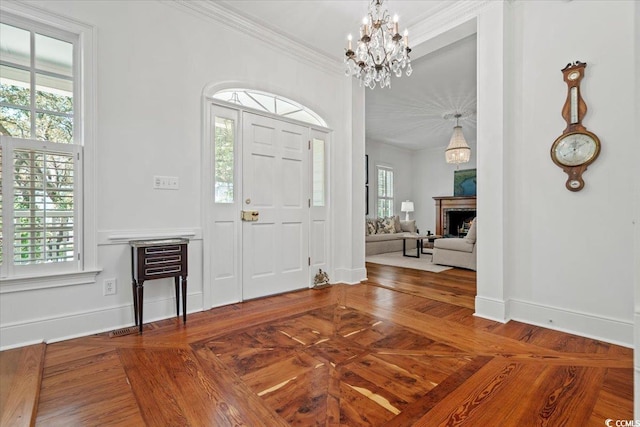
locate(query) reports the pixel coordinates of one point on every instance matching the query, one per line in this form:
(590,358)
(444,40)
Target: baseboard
(79,324)
(636,354)
(636,395)
(610,330)
(350,277)
(490,308)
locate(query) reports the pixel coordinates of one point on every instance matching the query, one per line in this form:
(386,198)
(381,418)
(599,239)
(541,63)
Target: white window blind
(385,191)
(43,207)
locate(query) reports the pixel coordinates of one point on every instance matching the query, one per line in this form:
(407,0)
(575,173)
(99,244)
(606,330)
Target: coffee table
(430,239)
(418,238)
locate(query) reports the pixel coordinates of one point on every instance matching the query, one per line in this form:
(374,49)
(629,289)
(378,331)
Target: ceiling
(409,114)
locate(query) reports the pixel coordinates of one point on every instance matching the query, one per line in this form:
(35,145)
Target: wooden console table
(158,259)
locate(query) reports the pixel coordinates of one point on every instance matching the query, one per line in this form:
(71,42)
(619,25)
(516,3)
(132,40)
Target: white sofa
(381,241)
(456,252)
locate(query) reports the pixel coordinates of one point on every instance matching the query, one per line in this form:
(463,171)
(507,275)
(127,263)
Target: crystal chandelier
(458,151)
(380,51)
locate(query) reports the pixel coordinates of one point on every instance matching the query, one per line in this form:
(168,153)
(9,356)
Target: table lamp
(407,207)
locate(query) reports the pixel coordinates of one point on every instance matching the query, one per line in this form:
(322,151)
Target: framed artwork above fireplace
(464,182)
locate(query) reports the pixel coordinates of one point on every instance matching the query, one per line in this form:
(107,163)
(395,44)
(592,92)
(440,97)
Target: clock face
(575,149)
(574,75)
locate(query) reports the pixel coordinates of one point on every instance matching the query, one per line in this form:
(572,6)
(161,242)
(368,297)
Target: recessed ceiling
(409,114)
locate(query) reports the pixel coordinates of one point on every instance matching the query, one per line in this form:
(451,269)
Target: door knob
(248,201)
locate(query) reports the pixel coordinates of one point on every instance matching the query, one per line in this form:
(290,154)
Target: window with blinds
(43,207)
(385,191)
(41,155)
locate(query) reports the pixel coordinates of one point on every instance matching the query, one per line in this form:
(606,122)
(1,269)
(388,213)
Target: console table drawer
(166,269)
(173,259)
(160,250)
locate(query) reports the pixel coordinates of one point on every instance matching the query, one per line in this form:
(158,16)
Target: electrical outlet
(110,286)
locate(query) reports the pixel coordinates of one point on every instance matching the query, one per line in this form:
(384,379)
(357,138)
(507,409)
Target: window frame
(385,196)
(82,36)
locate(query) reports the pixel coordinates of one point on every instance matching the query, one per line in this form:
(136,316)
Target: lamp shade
(458,151)
(406,206)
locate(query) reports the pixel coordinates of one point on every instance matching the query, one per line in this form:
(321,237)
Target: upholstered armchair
(457,252)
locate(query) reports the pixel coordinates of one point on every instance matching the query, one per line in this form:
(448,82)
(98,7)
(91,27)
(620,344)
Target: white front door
(275,183)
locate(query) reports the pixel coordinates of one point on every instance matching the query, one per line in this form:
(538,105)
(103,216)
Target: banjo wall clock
(576,148)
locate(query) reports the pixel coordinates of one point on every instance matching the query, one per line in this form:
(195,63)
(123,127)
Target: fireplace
(454,214)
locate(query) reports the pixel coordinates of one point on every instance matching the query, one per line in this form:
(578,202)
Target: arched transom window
(270,103)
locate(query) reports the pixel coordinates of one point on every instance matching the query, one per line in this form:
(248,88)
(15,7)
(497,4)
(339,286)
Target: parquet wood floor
(403,349)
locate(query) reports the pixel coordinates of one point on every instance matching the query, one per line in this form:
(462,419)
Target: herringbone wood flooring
(403,349)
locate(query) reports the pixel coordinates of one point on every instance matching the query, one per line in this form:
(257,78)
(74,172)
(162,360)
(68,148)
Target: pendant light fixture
(458,151)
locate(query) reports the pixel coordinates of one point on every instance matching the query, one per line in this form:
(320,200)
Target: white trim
(85,117)
(50,280)
(223,14)
(615,331)
(352,276)
(118,237)
(490,308)
(448,18)
(23,344)
(83,323)
(636,354)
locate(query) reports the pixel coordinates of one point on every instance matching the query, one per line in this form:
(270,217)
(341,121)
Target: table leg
(404,249)
(140,296)
(176,281)
(418,247)
(184,299)
(135,301)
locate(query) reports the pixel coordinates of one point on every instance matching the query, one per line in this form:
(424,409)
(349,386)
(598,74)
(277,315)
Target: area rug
(396,259)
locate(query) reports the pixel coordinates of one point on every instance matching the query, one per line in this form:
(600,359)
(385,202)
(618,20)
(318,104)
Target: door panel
(319,228)
(223,256)
(276,184)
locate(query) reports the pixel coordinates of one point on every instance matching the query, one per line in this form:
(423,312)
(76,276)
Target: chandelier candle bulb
(349,38)
(380,52)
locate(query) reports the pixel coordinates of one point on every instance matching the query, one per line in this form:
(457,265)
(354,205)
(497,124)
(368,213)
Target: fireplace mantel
(444,203)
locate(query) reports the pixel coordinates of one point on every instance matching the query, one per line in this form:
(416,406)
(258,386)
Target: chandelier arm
(380,53)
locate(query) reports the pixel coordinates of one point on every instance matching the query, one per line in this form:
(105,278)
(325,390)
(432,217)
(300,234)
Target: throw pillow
(408,226)
(371,226)
(386,225)
(396,223)
(472,234)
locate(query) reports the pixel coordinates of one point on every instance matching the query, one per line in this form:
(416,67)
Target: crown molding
(231,19)
(449,17)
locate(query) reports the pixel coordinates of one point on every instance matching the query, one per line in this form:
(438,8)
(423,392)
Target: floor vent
(124,331)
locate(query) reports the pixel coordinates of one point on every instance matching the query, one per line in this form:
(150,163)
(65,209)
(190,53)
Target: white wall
(154,59)
(404,180)
(434,177)
(569,257)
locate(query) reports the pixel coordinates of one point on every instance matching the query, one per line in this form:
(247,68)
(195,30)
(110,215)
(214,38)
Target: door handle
(249,215)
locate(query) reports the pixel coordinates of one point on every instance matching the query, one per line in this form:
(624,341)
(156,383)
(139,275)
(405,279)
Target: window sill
(56,280)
